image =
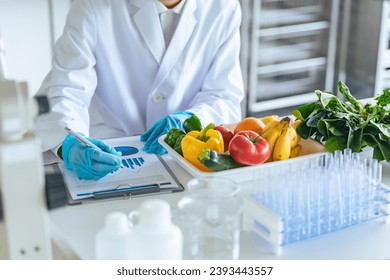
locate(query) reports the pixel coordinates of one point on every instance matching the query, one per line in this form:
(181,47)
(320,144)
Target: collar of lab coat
(148,24)
(177,9)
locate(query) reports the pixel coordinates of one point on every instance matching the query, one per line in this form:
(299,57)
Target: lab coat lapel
(148,24)
(180,38)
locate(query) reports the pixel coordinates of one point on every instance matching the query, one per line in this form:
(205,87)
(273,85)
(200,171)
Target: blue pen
(85,141)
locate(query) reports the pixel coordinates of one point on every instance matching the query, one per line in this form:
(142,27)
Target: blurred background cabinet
(384,67)
(365,47)
(291,51)
(293,47)
(28,29)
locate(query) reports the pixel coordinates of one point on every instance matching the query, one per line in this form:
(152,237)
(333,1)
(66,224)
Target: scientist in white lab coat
(126,67)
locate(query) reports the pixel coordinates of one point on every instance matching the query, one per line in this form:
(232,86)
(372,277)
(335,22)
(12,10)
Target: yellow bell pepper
(196,141)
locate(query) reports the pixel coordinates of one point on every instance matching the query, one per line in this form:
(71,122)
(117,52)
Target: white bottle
(155,237)
(112,242)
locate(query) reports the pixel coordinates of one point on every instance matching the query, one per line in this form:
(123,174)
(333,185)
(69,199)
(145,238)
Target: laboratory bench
(73,230)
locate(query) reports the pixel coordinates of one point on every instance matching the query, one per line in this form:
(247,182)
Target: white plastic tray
(310,149)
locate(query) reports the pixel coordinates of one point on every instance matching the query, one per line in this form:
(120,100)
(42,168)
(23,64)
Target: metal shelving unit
(383,79)
(291,53)
(364,58)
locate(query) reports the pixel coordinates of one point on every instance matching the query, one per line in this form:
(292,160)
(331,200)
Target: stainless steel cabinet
(383,80)
(289,50)
(384,67)
(364,59)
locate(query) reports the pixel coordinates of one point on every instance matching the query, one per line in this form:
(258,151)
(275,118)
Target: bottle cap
(116,221)
(155,214)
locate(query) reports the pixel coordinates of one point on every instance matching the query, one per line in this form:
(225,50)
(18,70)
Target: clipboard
(142,174)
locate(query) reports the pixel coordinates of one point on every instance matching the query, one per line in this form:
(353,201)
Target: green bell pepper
(177,146)
(192,123)
(172,136)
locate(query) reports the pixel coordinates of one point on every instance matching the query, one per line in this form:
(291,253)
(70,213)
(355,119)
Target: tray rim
(228,173)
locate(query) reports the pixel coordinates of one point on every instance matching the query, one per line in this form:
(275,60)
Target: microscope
(23,204)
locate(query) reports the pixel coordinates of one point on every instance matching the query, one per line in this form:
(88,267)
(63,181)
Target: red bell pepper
(227,135)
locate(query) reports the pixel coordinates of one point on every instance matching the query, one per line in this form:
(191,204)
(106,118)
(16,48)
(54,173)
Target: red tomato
(248,147)
(227,135)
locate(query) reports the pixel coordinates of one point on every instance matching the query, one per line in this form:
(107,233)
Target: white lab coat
(112,75)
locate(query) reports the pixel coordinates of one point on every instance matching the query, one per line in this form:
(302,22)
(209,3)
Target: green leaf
(371,129)
(355,140)
(331,103)
(384,98)
(348,96)
(296,113)
(325,98)
(382,128)
(312,121)
(337,127)
(381,148)
(343,115)
(304,111)
(370,140)
(319,138)
(382,137)
(377,154)
(303,130)
(322,127)
(384,146)
(335,143)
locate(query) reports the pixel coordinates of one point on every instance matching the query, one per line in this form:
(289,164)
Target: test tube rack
(326,194)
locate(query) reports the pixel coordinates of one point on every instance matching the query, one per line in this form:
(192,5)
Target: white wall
(26,29)
(59,11)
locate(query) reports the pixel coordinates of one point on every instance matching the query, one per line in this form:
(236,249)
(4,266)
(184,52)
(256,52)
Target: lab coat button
(157,98)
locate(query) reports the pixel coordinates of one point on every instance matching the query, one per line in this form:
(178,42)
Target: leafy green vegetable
(339,125)
(384,99)
(348,96)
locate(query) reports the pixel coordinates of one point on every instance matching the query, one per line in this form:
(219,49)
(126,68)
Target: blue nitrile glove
(89,163)
(161,127)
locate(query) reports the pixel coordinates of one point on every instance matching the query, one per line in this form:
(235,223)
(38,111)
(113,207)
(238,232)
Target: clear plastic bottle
(155,237)
(112,241)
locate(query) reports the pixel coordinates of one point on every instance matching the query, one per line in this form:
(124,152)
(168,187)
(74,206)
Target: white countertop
(74,229)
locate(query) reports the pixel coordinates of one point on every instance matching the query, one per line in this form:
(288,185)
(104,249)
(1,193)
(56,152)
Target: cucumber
(217,161)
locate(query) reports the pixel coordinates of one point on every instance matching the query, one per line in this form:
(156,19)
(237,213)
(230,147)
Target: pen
(129,190)
(82,139)
(85,141)
(125,192)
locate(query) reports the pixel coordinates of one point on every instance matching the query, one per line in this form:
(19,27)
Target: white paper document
(141,173)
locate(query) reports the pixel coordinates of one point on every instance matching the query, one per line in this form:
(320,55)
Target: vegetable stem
(348,96)
(203,136)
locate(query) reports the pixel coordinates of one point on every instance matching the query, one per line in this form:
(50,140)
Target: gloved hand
(162,126)
(89,163)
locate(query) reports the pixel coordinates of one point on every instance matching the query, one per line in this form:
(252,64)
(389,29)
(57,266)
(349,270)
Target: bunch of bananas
(282,137)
